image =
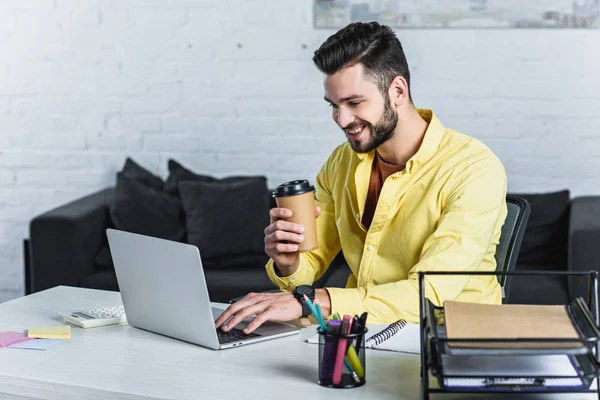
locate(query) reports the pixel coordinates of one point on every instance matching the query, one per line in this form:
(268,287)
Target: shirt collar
(431,141)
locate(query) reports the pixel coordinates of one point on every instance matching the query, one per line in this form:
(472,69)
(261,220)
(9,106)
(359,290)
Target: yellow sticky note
(50,332)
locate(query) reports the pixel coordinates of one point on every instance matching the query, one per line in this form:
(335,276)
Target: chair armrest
(65,240)
(584,242)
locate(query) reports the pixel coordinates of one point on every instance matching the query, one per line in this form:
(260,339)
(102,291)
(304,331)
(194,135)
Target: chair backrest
(511,238)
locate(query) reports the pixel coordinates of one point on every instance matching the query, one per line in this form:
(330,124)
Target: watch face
(305,290)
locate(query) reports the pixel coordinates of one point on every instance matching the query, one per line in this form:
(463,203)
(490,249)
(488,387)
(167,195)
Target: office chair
(511,238)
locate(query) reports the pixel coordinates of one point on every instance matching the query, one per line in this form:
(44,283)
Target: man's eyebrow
(345,99)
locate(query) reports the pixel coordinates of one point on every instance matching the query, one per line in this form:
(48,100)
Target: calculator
(94,317)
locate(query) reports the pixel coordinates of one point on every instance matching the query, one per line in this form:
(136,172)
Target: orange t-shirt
(379,173)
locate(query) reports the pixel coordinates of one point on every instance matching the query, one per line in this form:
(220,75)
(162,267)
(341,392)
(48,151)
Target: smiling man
(403,194)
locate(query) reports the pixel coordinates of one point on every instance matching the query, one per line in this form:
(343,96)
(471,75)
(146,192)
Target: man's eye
(354,103)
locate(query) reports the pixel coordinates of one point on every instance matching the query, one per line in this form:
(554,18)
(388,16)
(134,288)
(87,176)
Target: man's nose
(344,118)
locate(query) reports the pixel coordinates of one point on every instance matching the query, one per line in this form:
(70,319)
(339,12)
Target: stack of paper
(50,332)
(508,321)
(530,369)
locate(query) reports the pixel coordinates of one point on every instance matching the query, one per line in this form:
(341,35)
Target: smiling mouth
(355,131)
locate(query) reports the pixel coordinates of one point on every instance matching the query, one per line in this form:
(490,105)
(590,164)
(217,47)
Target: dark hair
(374,46)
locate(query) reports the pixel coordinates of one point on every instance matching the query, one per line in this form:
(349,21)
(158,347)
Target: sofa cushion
(258,259)
(103,260)
(141,209)
(226,218)
(102,280)
(237,280)
(538,289)
(546,237)
(133,170)
(178,173)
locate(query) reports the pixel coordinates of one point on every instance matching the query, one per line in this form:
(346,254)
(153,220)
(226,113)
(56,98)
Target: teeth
(355,131)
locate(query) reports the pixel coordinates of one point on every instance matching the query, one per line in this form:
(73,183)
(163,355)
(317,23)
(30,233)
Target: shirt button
(357,215)
(370,248)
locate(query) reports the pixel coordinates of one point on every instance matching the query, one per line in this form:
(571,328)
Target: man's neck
(407,139)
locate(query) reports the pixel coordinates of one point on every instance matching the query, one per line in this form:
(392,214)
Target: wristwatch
(299,293)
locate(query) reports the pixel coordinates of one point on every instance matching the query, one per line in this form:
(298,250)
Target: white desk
(121,362)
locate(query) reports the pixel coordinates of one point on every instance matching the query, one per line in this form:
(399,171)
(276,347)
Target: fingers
(232,310)
(281,225)
(279,213)
(281,248)
(244,313)
(258,321)
(228,313)
(317,212)
(283,236)
(237,312)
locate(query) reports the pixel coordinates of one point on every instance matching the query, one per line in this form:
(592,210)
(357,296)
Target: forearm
(304,274)
(286,270)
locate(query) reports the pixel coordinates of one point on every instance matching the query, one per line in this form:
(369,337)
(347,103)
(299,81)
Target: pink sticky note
(8,338)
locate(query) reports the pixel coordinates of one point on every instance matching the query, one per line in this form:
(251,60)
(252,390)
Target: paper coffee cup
(299,196)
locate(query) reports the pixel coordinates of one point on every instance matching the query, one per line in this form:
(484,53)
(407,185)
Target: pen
(319,315)
(354,374)
(363,321)
(315,313)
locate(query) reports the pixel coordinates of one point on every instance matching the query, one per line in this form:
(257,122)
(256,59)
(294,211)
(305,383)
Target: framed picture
(580,14)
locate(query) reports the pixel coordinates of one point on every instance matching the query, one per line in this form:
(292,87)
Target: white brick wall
(228,87)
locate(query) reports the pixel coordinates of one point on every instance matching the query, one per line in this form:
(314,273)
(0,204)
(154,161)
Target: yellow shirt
(444,211)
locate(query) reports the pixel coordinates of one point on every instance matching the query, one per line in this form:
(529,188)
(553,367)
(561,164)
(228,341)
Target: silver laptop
(164,291)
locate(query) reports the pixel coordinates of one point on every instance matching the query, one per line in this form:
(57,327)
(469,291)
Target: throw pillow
(546,236)
(133,170)
(141,209)
(226,218)
(178,173)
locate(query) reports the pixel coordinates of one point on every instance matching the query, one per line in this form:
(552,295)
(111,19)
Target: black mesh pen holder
(342,359)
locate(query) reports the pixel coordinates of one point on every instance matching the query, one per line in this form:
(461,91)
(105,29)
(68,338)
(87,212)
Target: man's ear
(399,91)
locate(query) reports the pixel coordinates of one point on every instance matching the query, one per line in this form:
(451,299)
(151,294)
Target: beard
(381,132)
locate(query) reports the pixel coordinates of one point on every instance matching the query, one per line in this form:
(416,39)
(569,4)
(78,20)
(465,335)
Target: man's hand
(268,306)
(282,238)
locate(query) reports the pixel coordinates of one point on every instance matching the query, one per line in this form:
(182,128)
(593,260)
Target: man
(403,195)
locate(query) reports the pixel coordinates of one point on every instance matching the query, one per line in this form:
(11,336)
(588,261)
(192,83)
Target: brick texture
(228,87)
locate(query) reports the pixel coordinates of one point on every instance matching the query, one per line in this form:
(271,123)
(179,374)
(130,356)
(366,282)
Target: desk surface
(123,362)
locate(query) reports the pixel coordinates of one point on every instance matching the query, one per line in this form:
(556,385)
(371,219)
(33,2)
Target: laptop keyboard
(234,335)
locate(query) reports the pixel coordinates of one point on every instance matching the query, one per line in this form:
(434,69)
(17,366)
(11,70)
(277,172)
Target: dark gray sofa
(66,244)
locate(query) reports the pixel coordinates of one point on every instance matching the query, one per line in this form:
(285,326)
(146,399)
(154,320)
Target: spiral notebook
(399,336)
